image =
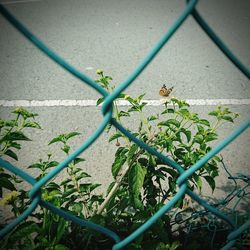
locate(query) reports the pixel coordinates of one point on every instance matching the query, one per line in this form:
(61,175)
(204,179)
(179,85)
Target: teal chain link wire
(34,193)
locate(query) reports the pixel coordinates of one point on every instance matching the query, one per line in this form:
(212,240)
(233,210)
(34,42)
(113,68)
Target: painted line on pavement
(90,103)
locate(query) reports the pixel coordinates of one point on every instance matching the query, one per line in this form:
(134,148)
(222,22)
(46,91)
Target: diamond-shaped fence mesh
(34,193)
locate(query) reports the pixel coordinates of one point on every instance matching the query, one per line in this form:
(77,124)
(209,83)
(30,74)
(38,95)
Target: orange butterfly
(164,91)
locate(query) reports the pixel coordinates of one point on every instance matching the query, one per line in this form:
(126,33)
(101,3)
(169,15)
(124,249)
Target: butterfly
(164,91)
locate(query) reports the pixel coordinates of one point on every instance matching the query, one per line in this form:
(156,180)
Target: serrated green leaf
(118,163)
(136,179)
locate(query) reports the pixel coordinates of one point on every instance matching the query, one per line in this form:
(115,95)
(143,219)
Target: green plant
(141,184)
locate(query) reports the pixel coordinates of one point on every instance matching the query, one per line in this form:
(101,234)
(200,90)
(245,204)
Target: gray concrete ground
(115,36)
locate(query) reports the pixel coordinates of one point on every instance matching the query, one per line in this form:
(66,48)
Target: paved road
(115,36)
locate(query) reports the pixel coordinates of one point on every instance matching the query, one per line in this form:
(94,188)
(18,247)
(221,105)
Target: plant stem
(117,184)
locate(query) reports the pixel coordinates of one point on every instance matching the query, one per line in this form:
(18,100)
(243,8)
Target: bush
(141,184)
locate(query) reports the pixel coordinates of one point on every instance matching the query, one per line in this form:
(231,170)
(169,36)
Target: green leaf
(168,111)
(71,134)
(123,113)
(11,154)
(227,118)
(198,181)
(29,124)
(15,145)
(82,175)
(53,186)
(132,152)
(210,180)
(66,148)
(170,171)
(200,129)
(24,229)
(25,113)
(198,138)
(140,97)
(37,165)
(170,122)
(204,122)
(66,182)
(152,118)
(211,137)
(115,136)
(15,136)
(78,160)
(214,113)
(88,187)
(60,247)
(136,179)
(52,164)
(76,207)
(122,95)
(184,113)
(68,192)
(135,108)
(6,183)
(187,133)
(120,159)
(99,101)
(59,138)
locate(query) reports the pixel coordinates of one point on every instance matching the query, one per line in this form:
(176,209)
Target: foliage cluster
(141,184)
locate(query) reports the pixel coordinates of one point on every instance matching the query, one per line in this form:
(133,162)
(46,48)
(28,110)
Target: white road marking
(91,103)
(20,1)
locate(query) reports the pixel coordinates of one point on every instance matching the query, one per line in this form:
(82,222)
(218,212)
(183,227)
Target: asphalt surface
(115,36)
